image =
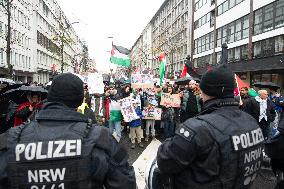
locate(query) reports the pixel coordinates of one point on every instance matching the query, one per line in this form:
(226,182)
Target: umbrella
(7,81)
(18,95)
(269,85)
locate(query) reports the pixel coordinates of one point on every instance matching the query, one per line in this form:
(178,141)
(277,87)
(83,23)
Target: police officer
(274,148)
(61,149)
(220,148)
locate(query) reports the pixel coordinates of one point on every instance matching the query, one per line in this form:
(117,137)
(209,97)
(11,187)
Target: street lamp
(62,38)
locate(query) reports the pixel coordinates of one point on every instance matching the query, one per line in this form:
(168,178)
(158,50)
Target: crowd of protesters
(104,109)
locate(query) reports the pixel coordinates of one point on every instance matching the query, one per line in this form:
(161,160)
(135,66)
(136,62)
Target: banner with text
(142,81)
(170,100)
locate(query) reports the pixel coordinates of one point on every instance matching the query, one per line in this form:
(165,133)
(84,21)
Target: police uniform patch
(186,133)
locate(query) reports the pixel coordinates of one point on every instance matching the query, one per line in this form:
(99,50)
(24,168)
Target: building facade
(21,40)
(141,52)
(40,33)
(253,31)
(170,33)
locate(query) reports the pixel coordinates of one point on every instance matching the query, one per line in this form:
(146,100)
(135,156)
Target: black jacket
(189,106)
(207,152)
(252,108)
(102,161)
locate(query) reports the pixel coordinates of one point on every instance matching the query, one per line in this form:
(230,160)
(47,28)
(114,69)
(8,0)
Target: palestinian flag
(240,84)
(120,56)
(162,59)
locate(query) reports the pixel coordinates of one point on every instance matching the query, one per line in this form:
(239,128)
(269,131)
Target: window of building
(244,52)
(268,18)
(257,49)
(258,22)
(279,14)
(231,32)
(237,53)
(218,57)
(225,6)
(232,3)
(245,27)
(220,9)
(224,35)
(231,55)
(219,37)
(267,47)
(238,32)
(279,44)
(211,40)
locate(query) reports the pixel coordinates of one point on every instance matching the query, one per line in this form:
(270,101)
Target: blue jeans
(169,128)
(115,126)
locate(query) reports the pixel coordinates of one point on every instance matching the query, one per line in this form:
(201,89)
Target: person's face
(170,90)
(263,95)
(243,92)
(35,99)
(191,85)
(127,89)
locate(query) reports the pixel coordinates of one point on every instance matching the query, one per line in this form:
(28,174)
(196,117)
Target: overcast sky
(99,19)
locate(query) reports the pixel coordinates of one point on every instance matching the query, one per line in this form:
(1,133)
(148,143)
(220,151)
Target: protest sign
(95,83)
(142,81)
(170,100)
(153,113)
(127,109)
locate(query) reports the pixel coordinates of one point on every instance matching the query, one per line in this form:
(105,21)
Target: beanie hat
(68,89)
(218,82)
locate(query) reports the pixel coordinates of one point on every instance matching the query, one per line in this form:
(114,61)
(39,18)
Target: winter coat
(137,122)
(252,107)
(190,106)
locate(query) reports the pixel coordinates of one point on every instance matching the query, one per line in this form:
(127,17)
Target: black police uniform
(61,150)
(220,148)
(274,148)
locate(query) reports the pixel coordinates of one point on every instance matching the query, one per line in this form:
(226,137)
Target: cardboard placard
(127,109)
(170,100)
(152,113)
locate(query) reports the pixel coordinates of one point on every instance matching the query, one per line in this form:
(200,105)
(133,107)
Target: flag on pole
(162,59)
(240,84)
(120,56)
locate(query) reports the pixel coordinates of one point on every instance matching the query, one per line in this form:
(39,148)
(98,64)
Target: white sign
(127,109)
(95,83)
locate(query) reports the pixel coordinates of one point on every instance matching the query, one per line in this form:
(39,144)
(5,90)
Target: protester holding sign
(150,105)
(135,126)
(168,117)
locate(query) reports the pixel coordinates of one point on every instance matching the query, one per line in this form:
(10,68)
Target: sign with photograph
(170,100)
(142,81)
(127,109)
(153,113)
